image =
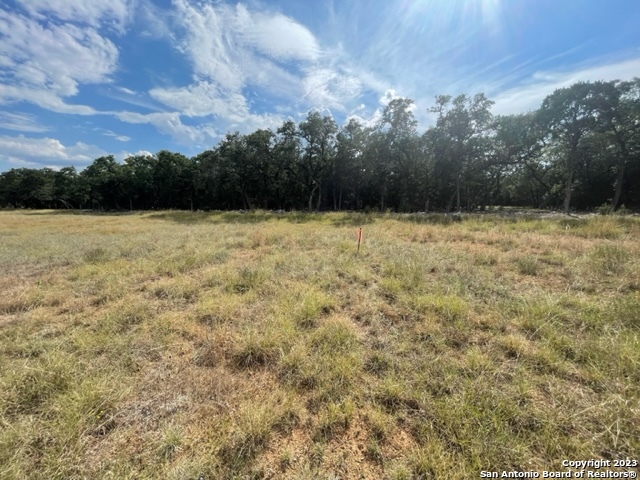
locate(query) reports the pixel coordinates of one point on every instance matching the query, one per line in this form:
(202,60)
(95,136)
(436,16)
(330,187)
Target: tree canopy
(580,149)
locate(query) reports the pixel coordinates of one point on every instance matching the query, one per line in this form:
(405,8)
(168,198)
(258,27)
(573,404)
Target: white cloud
(276,35)
(122,156)
(327,87)
(374,119)
(43,64)
(224,42)
(236,51)
(389,94)
(169,123)
(126,90)
(21,122)
(203,98)
(45,99)
(210,44)
(47,151)
(529,96)
(139,99)
(114,13)
(370,121)
(109,133)
(153,21)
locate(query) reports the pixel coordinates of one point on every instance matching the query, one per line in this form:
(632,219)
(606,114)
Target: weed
(448,308)
(333,419)
(285,460)
(380,423)
(170,443)
(245,280)
(309,306)
(334,336)
(374,452)
(378,363)
(254,350)
(96,255)
(609,259)
(527,265)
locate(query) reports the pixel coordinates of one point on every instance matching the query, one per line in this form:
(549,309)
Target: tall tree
(66,188)
(318,133)
(139,181)
(286,155)
(349,164)
(260,156)
(517,145)
(618,108)
(461,141)
(237,163)
(569,116)
(105,182)
(398,126)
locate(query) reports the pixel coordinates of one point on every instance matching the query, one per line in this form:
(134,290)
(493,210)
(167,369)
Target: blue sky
(85,78)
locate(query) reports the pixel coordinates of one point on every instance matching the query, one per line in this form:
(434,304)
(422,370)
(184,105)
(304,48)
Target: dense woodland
(579,150)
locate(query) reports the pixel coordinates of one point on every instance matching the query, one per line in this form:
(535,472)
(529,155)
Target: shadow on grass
(336,219)
(250,217)
(100,213)
(431,218)
(354,219)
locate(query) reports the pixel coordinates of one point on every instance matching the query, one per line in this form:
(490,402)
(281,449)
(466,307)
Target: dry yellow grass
(202,346)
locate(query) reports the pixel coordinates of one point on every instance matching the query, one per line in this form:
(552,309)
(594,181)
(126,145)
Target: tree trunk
(458,193)
(244,200)
(567,192)
(450,202)
(311,198)
(618,190)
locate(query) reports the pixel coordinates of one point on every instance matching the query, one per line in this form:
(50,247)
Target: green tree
(517,146)
(618,108)
(138,173)
(401,154)
(104,182)
(349,166)
(286,156)
(173,179)
(568,115)
(318,133)
(460,143)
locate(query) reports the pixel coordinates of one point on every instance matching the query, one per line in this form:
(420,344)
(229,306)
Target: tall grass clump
(609,259)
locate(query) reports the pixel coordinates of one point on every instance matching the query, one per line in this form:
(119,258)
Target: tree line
(579,150)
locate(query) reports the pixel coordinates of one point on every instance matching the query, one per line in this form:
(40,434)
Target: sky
(80,79)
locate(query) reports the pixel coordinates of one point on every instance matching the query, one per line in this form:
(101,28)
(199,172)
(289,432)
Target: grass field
(185,345)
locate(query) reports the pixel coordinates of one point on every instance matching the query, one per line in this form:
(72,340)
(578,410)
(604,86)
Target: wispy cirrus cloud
(170,123)
(96,13)
(529,94)
(21,122)
(234,50)
(109,133)
(44,63)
